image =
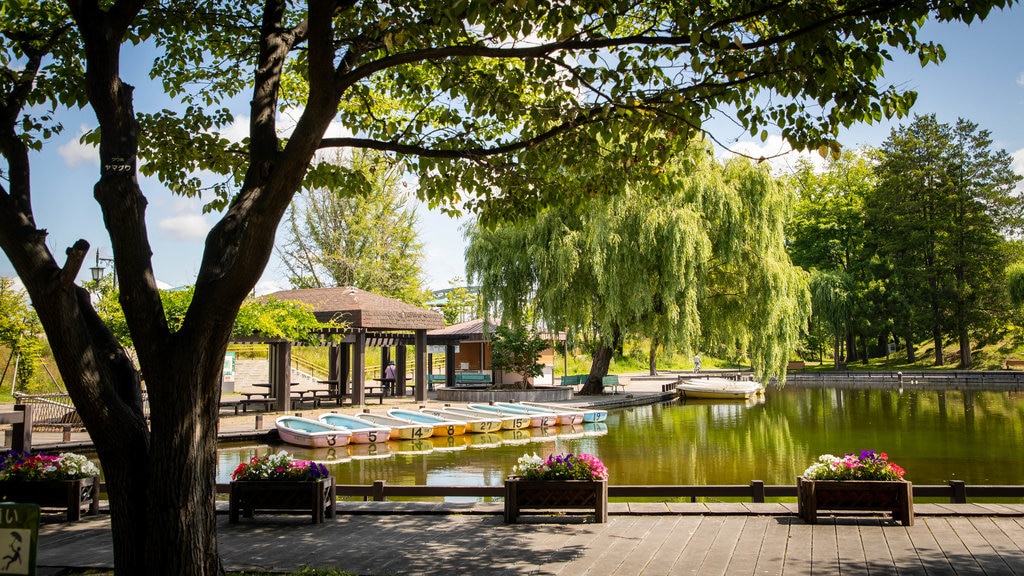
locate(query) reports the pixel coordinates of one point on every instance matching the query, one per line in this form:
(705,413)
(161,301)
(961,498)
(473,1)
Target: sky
(981,80)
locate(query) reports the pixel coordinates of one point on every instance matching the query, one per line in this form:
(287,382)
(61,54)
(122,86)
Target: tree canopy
(691,256)
(501,106)
(361,233)
(943,201)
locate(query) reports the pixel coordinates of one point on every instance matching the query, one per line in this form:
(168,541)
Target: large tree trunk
(652,360)
(598,370)
(836,351)
(940,357)
(966,360)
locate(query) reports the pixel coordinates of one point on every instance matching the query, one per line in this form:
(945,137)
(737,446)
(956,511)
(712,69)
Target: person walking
(696,362)
(389,379)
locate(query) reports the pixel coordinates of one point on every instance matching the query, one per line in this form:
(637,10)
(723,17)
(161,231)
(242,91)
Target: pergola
(372,320)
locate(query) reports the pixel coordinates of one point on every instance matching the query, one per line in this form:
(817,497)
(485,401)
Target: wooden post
(757,491)
(378,491)
(959,495)
(21,432)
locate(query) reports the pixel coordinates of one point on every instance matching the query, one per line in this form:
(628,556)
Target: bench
(472,379)
(574,380)
(1014,364)
(433,379)
(795,365)
(612,382)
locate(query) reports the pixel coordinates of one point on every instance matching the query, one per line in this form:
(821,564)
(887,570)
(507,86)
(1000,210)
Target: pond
(937,436)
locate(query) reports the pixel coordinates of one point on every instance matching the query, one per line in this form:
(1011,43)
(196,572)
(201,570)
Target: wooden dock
(450,538)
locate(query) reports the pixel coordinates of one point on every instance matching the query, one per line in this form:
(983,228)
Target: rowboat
(509,422)
(565,416)
(442,426)
(476,424)
(362,432)
(400,429)
(719,388)
(536,420)
(310,433)
(590,415)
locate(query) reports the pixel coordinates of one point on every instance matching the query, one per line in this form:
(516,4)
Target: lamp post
(97,270)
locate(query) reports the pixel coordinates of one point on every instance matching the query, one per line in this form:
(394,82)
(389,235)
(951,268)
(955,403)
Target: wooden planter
(313,497)
(72,495)
(896,497)
(555,495)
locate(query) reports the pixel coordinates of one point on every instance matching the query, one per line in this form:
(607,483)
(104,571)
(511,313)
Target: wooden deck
(441,539)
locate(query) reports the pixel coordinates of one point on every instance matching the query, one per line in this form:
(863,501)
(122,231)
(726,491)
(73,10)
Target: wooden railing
(956,491)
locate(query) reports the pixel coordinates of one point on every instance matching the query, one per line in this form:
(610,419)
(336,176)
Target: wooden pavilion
(468,348)
(372,320)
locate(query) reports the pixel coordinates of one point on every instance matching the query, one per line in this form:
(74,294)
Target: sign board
(19,538)
(432,349)
(227,385)
(892,347)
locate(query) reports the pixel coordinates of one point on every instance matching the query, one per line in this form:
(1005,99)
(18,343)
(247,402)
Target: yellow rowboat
(400,429)
(442,426)
(475,424)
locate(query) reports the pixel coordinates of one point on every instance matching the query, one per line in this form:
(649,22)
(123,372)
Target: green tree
(943,200)
(20,331)
(693,254)
(831,301)
(459,301)
(517,350)
(495,105)
(826,233)
(356,232)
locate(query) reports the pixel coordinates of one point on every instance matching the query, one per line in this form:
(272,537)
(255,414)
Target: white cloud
(76,154)
(1020,79)
(270,286)
(185,226)
(776,152)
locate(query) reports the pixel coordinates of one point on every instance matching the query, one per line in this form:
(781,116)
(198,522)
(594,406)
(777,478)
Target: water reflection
(936,435)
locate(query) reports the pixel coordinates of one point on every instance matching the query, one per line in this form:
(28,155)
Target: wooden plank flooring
(627,545)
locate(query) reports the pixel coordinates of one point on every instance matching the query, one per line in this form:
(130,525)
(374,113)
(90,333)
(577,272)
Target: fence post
(21,432)
(378,491)
(757,491)
(959,495)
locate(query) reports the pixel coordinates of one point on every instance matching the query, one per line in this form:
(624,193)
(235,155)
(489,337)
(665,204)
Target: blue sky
(982,80)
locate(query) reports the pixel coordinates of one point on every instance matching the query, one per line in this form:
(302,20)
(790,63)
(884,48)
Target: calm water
(937,436)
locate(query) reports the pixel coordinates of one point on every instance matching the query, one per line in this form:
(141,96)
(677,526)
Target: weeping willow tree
(833,304)
(691,254)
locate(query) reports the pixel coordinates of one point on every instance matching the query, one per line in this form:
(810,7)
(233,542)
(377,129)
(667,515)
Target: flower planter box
(896,497)
(71,495)
(555,495)
(313,497)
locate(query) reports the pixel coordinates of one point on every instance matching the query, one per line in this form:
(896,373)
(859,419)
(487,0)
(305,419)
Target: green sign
(19,538)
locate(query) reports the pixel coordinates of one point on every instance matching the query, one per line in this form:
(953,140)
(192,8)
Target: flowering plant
(868,465)
(18,465)
(560,467)
(280,466)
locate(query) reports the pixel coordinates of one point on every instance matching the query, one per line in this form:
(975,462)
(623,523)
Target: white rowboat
(310,433)
(719,388)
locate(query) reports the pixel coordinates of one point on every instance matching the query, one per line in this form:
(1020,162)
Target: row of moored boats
(334,429)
